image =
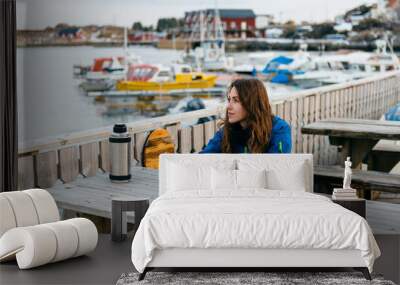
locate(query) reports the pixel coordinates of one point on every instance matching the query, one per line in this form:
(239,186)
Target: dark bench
(328,177)
(384,156)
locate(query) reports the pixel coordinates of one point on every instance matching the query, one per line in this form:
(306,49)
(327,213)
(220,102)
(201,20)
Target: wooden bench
(328,177)
(355,137)
(385,156)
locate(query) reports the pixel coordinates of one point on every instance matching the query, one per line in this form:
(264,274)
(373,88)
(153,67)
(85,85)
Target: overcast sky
(38,14)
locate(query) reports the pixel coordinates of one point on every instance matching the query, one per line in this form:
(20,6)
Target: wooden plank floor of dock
(93,195)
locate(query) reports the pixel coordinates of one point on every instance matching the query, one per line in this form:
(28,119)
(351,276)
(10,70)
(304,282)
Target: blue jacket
(280,142)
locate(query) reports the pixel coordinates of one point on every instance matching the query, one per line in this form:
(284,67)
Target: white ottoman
(31,232)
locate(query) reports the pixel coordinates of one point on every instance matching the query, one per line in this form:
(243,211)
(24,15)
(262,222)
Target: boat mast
(219,29)
(201,19)
(126,52)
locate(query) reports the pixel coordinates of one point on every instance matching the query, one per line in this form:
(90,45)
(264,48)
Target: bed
(244,211)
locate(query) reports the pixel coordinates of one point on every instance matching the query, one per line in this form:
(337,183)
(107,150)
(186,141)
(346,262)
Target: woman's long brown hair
(254,99)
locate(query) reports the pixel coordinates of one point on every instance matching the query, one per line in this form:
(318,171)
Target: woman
(249,125)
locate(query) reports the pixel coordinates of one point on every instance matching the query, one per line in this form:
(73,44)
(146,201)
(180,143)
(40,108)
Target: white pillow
(182,177)
(283,173)
(226,179)
(194,174)
(223,179)
(293,179)
(251,178)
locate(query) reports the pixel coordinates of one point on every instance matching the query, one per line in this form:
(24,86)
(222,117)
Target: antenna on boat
(202,31)
(126,52)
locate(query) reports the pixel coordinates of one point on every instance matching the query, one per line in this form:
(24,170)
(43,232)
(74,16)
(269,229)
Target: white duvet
(253,218)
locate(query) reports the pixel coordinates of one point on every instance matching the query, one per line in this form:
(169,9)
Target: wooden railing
(55,160)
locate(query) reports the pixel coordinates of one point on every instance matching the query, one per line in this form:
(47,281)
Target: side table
(119,207)
(355,205)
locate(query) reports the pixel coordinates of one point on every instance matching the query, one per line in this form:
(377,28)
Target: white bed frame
(250,258)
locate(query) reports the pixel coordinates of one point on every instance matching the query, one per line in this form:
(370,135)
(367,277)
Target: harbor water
(50,102)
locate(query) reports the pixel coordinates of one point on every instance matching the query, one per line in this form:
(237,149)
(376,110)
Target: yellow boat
(153,78)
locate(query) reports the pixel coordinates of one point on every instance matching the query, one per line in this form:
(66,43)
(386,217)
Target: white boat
(324,72)
(343,67)
(259,60)
(256,63)
(281,69)
(379,61)
(107,68)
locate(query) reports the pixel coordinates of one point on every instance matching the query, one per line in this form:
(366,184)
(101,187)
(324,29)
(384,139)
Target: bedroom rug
(228,278)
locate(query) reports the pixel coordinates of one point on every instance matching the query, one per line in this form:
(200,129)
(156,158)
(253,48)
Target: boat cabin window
(335,65)
(197,77)
(185,70)
(323,66)
(357,67)
(375,68)
(164,74)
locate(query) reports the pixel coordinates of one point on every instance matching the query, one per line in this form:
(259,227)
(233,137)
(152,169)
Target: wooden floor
(102,266)
(110,259)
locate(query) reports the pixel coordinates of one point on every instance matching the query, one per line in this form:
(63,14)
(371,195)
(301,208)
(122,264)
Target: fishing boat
(112,67)
(105,71)
(255,63)
(281,69)
(107,68)
(324,71)
(148,77)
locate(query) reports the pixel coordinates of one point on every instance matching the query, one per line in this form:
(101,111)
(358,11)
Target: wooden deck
(93,195)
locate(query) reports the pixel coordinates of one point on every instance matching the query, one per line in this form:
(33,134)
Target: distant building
(383,9)
(262,24)
(264,21)
(143,37)
(70,33)
(237,23)
(32,37)
(360,13)
(112,33)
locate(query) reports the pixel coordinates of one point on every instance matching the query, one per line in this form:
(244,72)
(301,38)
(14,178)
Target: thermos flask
(120,154)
